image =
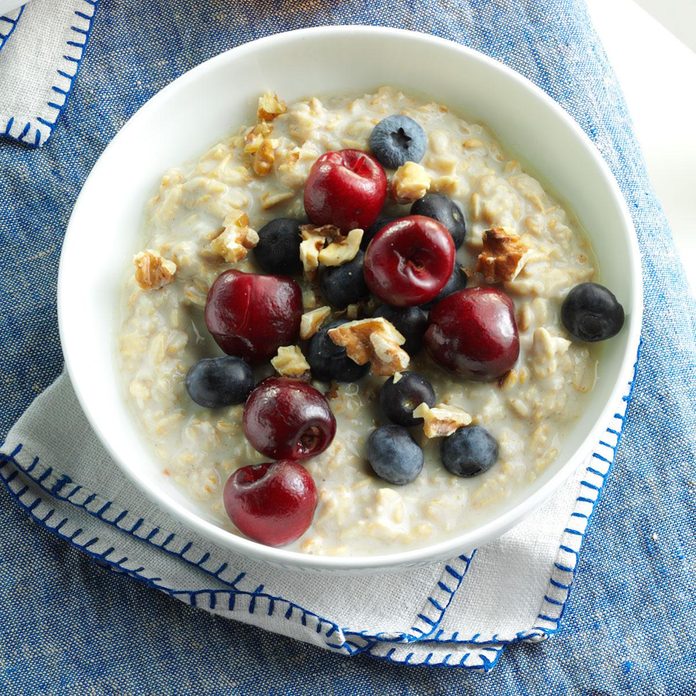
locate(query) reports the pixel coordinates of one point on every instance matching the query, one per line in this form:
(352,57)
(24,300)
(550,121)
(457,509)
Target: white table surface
(657,73)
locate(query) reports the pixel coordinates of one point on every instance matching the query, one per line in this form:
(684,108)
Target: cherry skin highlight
(473,333)
(345,188)
(409,261)
(288,419)
(251,315)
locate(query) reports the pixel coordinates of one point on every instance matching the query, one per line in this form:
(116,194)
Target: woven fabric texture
(631,621)
(39,65)
(462,613)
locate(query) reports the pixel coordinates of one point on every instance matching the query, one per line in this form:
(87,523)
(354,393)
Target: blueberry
(374,228)
(398,139)
(457,281)
(278,250)
(591,312)
(329,361)
(444,210)
(469,451)
(398,399)
(410,322)
(394,455)
(217,382)
(344,285)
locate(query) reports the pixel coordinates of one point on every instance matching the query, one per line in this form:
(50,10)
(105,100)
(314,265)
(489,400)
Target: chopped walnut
(442,419)
(313,241)
(261,147)
(270,106)
(255,136)
(290,362)
(235,239)
(310,246)
(410,182)
(373,340)
(503,257)
(341,250)
(264,157)
(311,322)
(153,271)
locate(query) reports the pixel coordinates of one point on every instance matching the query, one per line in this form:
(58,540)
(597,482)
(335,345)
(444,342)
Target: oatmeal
(205,218)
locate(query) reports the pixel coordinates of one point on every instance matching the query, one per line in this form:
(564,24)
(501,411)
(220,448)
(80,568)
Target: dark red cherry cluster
(408,263)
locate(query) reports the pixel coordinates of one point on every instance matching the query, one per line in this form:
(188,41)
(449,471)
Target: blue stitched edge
(439,600)
(4,21)
(188,596)
(54,486)
(566,563)
(486,663)
(352,642)
(57,104)
(551,612)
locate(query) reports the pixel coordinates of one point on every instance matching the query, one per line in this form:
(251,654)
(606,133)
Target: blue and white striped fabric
(461,613)
(41,49)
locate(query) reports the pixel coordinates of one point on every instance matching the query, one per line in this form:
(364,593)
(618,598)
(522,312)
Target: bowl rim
(448,548)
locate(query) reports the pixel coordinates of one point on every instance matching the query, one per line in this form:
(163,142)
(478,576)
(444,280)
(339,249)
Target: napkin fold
(462,612)
(41,48)
(8,23)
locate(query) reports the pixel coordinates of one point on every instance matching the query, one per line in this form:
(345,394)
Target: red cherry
(271,503)
(473,333)
(288,419)
(409,261)
(251,315)
(345,188)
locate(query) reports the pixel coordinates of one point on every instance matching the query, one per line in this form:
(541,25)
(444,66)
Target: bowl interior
(218,96)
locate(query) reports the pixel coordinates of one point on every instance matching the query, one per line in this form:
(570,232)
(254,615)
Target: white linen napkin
(459,613)
(41,48)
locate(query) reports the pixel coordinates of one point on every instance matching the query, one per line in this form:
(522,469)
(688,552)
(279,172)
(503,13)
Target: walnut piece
(313,241)
(264,157)
(341,250)
(254,136)
(235,239)
(373,340)
(153,271)
(503,257)
(290,362)
(325,231)
(270,106)
(442,419)
(311,322)
(261,147)
(410,182)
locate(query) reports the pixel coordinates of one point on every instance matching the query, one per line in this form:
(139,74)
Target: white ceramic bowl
(204,105)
